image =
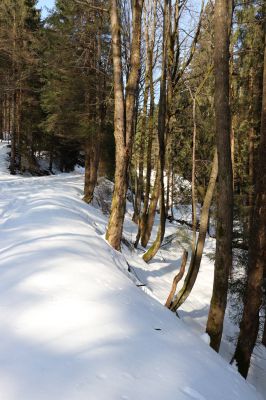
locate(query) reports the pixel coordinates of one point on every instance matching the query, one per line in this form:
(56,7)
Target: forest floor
(73,323)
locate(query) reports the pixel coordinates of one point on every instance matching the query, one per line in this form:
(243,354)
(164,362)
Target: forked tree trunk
(257,254)
(143,231)
(197,256)
(223,258)
(123,116)
(161,139)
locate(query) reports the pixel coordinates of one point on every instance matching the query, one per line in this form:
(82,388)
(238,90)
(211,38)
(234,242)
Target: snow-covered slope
(73,326)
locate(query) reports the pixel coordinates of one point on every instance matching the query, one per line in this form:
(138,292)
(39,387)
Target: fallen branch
(177,278)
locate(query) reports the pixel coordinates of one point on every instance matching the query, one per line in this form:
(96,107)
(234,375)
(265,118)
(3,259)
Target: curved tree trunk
(177,278)
(196,258)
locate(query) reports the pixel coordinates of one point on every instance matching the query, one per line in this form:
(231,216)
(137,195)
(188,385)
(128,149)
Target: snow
(74,325)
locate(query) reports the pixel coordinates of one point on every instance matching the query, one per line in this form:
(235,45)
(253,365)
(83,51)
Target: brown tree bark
(143,126)
(257,254)
(92,149)
(177,278)
(162,112)
(197,256)
(148,212)
(223,258)
(123,116)
(147,219)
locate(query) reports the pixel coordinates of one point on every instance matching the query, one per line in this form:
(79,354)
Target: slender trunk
(177,278)
(223,258)
(140,180)
(193,189)
(167,205)
(251,138)
(92,150)
(161,139)
(92,153)
(172,193)
(13,137)
(147,220)
(144,231)
(257,254)
(197,256)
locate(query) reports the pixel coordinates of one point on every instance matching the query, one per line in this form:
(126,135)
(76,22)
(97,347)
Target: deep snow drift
(73,326)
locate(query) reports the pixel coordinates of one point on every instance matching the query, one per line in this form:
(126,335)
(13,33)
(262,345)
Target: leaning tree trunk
(257,254)
(123,116)
(223,259)
(197,256)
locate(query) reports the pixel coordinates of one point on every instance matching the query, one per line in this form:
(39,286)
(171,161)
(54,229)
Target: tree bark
(177,278)
(147,219)
(257,254)
(161,139)
(223,258)
(143,231)
(123,116)
(197,256)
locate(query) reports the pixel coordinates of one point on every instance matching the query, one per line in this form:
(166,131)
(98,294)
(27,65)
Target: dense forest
(166,99)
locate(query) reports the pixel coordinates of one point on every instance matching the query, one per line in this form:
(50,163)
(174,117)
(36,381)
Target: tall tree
(257,252)
(223,257)
(124,104)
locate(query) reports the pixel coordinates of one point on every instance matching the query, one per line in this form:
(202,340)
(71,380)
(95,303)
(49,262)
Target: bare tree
(124,102)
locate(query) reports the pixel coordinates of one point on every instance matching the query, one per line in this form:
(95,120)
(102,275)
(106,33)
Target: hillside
(73,324)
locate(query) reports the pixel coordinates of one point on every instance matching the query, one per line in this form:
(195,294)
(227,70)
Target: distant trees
(20,34)
(77,82)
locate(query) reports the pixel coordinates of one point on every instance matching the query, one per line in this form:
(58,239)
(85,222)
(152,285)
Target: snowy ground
(74,326)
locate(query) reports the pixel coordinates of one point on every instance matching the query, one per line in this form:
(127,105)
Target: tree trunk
(142,228)
(12,104)
(223,258)
(139,173)
(177,278)
(92,156)
(161,139)
(257,254)
(196,258)
(147,219)
(123,116)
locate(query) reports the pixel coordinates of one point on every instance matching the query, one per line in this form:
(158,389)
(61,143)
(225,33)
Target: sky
(45,3)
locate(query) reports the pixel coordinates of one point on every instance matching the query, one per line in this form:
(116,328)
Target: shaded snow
(73,326)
